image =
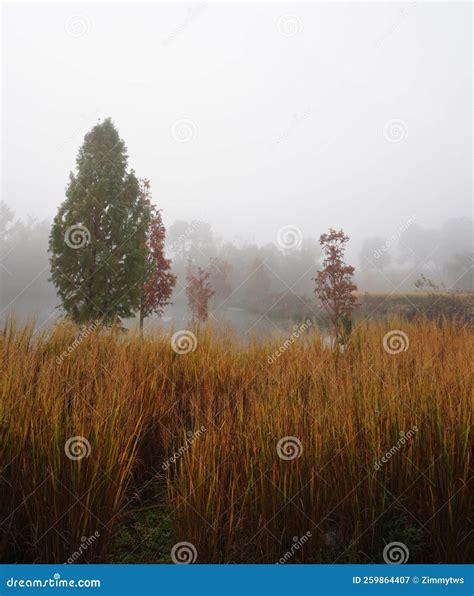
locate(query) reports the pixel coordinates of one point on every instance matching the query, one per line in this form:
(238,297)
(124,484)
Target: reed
(216,417)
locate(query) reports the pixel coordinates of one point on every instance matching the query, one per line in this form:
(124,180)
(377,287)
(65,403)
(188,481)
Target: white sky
(287,129)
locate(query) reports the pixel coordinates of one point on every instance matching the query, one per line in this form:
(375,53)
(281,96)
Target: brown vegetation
(231,495)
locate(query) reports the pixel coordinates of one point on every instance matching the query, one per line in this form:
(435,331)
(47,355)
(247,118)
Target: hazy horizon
(250,117)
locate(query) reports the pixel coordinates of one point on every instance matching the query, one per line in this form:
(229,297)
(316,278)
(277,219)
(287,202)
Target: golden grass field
(223,409)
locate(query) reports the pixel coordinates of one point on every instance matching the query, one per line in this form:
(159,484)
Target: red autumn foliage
(198,292)
(158,287)
(334,284)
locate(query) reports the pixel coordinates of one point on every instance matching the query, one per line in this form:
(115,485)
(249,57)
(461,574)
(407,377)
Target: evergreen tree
(98,238)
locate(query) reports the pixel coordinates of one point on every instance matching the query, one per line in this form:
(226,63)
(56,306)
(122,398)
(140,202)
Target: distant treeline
(251,276)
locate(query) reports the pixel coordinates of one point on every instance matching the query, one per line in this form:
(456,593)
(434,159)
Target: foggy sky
(288,107)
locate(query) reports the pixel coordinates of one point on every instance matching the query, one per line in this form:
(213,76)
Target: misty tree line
(120,221)
(25,270)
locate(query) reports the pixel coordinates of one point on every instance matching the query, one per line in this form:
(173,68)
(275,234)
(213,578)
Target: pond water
(243,323)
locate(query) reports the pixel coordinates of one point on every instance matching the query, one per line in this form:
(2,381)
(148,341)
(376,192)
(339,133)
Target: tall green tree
(98,238)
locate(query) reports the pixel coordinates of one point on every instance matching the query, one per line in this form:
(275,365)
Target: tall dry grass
(232,496)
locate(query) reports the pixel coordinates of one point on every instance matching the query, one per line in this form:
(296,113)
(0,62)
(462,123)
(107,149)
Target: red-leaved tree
(334,286)
(199,292)
(159,283)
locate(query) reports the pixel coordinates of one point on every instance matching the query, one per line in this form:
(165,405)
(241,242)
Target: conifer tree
(98,239)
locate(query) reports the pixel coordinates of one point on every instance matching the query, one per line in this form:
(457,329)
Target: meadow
(117,448)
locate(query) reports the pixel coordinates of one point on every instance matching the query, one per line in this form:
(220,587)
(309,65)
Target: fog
(250,118)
